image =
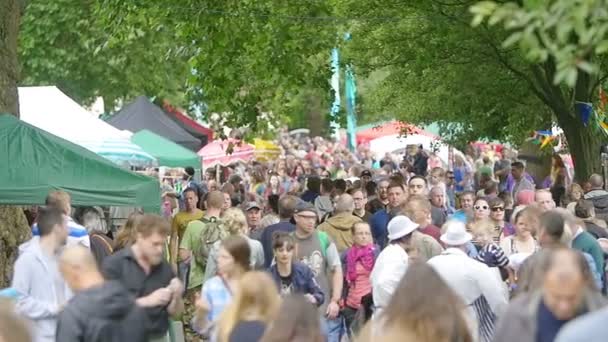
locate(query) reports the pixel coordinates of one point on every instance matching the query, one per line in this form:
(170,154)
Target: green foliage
(438,69)
(572,32)
(67,43)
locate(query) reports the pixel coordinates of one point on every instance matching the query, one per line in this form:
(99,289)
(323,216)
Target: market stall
(143,114)
(165,151)
(37,162)
(226,152)
(266,150)
(51,110)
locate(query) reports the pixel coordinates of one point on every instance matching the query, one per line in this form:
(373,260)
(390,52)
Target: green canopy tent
(35,162)
(165,151)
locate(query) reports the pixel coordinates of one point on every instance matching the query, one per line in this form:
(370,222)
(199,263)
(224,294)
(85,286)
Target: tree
(66,43)
(440,68)
(566,44)
(13,225)
(245,57)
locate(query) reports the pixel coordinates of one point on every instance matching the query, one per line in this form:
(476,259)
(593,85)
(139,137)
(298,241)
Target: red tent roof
(184,119)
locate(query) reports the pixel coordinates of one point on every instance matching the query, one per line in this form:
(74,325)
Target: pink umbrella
(218,153)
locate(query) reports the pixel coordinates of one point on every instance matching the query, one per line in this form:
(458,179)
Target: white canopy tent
(397,144)
(53,111)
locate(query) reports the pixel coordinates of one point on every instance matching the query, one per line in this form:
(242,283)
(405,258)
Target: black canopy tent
(143,114)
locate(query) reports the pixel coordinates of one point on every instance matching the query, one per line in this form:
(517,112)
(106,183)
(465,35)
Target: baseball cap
(366,173)
(251,205)
(304,207)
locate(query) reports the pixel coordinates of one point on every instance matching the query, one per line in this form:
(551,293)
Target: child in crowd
(490,253)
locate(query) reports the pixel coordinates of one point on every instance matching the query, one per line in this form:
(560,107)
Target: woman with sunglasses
(502,228)
(481,209)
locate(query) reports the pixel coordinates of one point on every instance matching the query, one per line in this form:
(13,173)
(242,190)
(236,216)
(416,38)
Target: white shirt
(389,268)
(470,279)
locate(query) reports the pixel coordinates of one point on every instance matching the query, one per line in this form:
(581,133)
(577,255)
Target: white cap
(455,234)
(399,227)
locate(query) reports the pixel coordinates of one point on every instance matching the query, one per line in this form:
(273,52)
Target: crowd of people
(327,245)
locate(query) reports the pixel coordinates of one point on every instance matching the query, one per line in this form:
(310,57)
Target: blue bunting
(584,109)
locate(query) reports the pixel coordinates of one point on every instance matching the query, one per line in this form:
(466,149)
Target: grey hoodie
(38,282)
(105,313)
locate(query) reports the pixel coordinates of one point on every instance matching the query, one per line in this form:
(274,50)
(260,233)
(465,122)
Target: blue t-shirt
(547,324)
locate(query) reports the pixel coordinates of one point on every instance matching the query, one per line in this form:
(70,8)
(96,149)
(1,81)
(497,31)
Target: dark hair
(397,177)
(297,321)
(340,185)
(584,209)
(48,217)
(287,206)
(239,249)
(280,239)
(418,177)
(273,203)
(518,165)
(314,184)
(235,179)
(394,184)
(327,185)
(374,206)
(191,189)
(496,201)
(426,306)
(553,224)
(371,188)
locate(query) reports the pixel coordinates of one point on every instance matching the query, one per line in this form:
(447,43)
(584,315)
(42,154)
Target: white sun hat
(456,234)
(399,227)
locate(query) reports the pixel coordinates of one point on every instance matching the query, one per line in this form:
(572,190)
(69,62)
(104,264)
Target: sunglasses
(498,209)
(484,207)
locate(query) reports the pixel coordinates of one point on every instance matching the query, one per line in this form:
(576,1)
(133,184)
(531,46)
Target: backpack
(214,231)
(324,239)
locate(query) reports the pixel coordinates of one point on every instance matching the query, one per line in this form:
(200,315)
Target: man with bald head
(339,226)
(100,310)
(598,196)
(440,209)
(544,200)
(567,292)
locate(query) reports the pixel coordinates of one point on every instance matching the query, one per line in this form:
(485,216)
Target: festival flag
(585,109)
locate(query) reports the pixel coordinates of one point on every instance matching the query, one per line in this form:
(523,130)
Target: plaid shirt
(218,296)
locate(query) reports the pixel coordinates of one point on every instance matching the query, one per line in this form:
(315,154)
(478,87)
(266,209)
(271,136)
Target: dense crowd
(323,244)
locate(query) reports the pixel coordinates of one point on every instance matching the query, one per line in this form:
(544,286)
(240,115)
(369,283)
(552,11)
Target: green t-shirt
(192,242)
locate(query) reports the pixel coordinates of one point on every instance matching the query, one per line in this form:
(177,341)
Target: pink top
(359,288)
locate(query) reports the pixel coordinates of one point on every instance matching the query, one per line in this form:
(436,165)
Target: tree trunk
(584,145)
(14,229)
(10,16)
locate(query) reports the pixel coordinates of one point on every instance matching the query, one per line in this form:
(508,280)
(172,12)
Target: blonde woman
(253,307)
(235,222)
(126,234)
(217,293)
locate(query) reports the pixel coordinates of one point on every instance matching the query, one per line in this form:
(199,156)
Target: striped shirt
(493,256)
(77,235)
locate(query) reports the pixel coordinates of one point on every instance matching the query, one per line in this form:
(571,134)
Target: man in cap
(392,262)
(253,211)
(366,177)
(479,287)
(315,249)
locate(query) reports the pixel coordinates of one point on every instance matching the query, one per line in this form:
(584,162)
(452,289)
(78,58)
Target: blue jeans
(332,328)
